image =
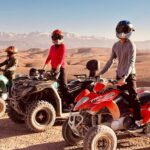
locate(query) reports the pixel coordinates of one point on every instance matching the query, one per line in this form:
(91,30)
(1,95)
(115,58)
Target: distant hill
(77,59)
(42,40)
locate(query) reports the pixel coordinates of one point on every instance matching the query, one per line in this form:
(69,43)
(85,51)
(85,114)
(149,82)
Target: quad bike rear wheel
(40,115)
(100,137)
(15,116)
(70,138)
(2,107)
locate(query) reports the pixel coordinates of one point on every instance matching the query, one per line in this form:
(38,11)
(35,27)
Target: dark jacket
(10,67)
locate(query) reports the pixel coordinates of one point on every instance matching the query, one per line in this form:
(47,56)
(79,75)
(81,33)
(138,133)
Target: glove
(121,81)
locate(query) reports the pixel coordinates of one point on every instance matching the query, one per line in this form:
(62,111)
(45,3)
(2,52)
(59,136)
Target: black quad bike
(37,101)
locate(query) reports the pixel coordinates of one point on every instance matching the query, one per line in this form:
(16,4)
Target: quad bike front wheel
(15,116)
(70,138)
(100,137)
(2,107)
(40,115)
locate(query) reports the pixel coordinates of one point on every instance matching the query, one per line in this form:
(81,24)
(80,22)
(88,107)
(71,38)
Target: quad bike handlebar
(80,75)
(41,74)
(114,82)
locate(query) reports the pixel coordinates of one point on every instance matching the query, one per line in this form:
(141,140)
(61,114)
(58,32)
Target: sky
(84,17)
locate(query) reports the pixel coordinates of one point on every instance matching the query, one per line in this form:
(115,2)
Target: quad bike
(3,94)
(100,114)
(37,101)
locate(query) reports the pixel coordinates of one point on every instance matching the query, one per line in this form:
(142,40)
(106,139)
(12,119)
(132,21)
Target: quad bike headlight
(81,101)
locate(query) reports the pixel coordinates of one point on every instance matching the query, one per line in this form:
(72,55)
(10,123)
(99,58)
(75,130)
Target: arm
(131,63)
(4,63)
(47,60)
(109,62)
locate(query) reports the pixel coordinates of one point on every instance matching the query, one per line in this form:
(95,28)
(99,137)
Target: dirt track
(17,137)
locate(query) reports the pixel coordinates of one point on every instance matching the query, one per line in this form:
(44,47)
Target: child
(10,63)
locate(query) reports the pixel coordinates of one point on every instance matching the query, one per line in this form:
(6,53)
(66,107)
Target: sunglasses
(123,29)
(57,37)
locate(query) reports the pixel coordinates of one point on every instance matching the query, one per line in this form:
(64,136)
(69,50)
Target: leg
(63,86)
(135,103)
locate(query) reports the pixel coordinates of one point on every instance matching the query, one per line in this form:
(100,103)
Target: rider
(125,51)
(10,63)
(57,56)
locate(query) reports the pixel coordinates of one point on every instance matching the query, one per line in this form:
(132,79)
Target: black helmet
(124,29)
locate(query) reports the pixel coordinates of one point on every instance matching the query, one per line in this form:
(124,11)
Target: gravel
(17,137)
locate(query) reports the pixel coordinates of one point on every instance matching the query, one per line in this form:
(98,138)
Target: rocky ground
(17,137)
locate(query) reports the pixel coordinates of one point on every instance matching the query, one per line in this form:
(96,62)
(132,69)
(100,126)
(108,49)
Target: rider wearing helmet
(125,51)
(56,57)
(10,63)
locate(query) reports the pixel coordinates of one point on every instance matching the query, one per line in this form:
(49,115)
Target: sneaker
(136,127)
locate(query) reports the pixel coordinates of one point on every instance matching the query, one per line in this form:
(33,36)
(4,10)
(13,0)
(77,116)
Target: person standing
(125,51)
(56,58)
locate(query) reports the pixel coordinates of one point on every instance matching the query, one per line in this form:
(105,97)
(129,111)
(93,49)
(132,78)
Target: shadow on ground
(51,146)
(10,129)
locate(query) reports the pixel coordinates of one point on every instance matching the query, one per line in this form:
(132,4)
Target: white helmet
(124,29)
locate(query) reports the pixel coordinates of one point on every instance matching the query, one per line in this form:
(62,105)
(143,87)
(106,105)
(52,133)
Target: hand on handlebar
(117,83)
(121,81)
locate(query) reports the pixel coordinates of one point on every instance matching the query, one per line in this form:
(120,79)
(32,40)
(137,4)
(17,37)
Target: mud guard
(58,102)
(110,105)
(82,94)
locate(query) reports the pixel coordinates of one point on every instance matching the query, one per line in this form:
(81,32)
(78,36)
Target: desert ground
(17,137)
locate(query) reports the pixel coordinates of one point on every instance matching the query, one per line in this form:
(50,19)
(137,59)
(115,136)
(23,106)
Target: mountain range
(42,40)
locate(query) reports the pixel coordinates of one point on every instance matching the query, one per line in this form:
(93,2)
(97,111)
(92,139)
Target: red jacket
(56,56)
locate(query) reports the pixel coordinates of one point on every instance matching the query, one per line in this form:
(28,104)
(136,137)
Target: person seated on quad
(125,51)
(10,64)
(56,57)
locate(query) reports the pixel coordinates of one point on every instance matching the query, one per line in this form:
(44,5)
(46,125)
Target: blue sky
(85,17)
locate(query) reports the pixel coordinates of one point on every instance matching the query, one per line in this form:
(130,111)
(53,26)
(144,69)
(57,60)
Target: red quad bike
(100,114)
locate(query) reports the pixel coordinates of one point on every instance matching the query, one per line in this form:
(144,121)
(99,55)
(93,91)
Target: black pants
(130,86)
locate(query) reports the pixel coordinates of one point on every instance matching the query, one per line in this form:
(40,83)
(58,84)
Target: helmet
(11,49)
(124,29)
(57,36)
(57,32)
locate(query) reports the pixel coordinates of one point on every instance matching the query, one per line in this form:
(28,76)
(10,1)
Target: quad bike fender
(82,94)
(43,85)
(145,111)
(58,101)
(110,105)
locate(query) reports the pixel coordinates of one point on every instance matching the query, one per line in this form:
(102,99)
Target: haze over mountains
(42,40)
